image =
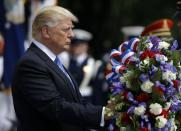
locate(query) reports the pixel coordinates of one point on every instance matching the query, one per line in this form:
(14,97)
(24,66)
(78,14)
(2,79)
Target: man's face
(61,35)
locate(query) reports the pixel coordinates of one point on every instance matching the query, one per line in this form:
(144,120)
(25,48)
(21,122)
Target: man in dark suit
(46,97)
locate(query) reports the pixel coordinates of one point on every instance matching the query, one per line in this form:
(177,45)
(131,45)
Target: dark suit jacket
(44,98)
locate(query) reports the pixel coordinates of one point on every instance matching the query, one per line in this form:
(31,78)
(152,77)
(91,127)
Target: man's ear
(45,32)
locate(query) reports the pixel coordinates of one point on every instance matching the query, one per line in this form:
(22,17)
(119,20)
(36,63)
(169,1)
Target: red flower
(125,118)
(144,129)
(142,97)
(125,94)
(175,83)
(179,119)
(165,113)
(147,53)
(159,90)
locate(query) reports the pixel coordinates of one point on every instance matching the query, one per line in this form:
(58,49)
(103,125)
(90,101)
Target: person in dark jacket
(46,96)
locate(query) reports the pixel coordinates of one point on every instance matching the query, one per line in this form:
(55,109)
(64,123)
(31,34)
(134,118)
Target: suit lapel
(75,84)
(54,67)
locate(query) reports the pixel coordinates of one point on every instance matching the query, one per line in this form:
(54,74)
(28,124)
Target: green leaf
(176,56)
(157,76)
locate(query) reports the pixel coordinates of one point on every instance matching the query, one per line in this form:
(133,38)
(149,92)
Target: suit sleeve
(38,89)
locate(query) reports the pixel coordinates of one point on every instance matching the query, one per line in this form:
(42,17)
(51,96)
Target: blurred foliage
(104,18)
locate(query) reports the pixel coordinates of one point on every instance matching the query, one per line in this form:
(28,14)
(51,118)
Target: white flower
(163,45)
(140,110)
(147,86)
(179,72)
(156,109)
(160,121)
(179,65)
(179,75)
(179,89)
(168,75)
(167,105)
(173,126)
(149,45)
(128,84)
(146,61)
(144,64)
(161,58)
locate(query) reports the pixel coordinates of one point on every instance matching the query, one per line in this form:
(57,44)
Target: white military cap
(132,31)
(81,36)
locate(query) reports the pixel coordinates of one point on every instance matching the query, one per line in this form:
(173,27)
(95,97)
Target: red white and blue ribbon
(115,57)
(133,44)
(125,57)
(114,62)
(110,76)
(119,68)
(115,53)
(123,47)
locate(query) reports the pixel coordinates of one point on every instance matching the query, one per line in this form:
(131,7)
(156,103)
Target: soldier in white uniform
(79,62)
(131,31)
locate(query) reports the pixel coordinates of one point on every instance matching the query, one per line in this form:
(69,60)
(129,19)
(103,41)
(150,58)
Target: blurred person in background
(177,18)
(5,123)
(100,85)
(131,32)
(81,63)
(160,28)
(12,30)
(87,71)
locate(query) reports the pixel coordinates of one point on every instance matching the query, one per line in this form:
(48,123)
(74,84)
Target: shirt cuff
(102,117)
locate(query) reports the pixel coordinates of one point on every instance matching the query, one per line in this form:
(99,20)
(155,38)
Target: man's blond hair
(51,16)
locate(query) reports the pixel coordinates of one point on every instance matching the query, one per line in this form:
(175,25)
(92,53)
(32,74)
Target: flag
(14,36)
